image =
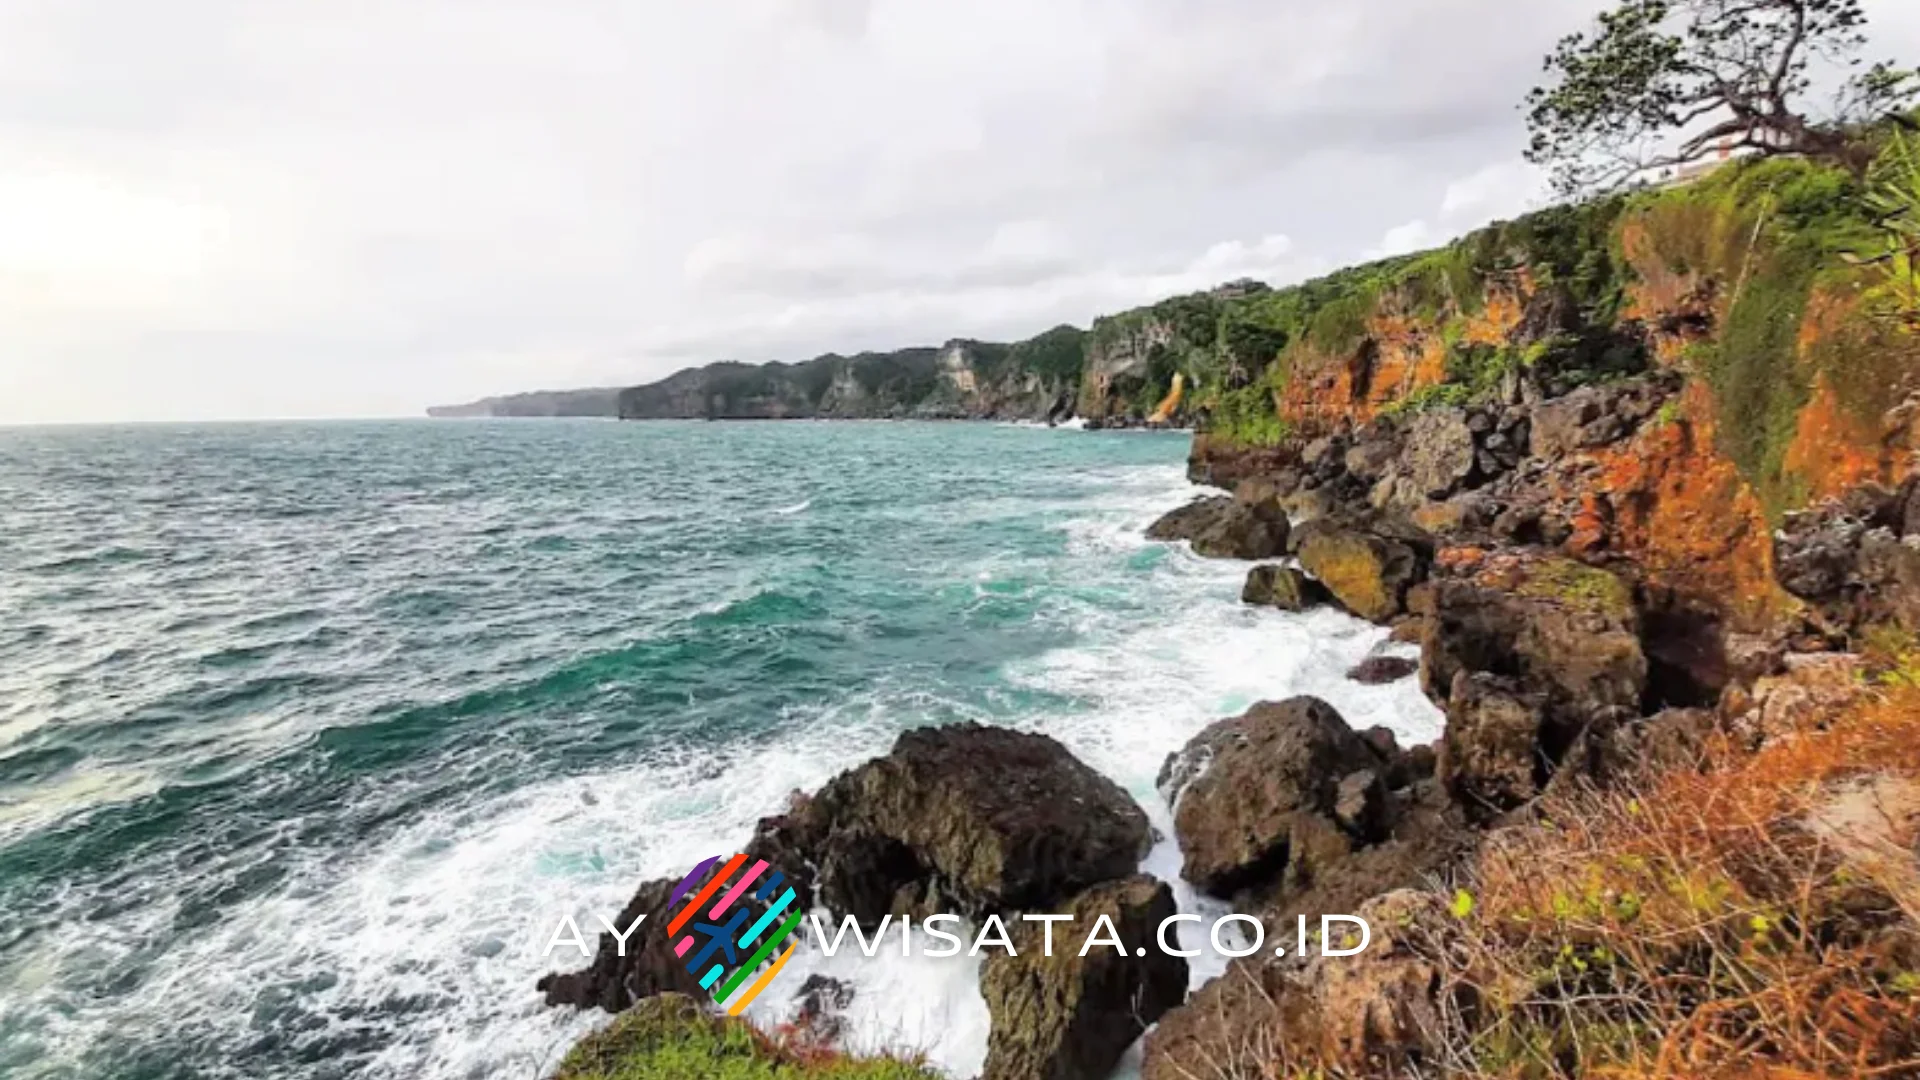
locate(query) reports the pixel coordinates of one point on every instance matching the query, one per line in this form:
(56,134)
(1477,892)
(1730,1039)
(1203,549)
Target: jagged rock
(1238,784)
(821,1015)
(1226,528)
(1854,558)
(1068,1017)
(1815,559)
(1362,807)
(1439,452)
(1490,754)
(1808,689)
(1380,670)
(612,982)
(967,819)
(1595,416)
(1368,574)
(1558,639)
(1375,1014)
(1371,458)
(1283,587)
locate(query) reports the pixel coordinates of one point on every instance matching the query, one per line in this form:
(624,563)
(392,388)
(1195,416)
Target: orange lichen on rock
(1499,319)
(1680,508)
(1829,454)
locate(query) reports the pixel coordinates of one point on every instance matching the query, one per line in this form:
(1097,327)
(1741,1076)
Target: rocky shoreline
(1553,671)
(1638,513)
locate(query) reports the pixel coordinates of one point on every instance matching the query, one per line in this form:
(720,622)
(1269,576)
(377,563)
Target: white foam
(439,934)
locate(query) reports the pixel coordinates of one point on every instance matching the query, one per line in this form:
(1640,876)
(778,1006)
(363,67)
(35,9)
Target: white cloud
(342,207)
(1500,191)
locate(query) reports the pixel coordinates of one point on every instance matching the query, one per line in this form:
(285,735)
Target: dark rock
(970,820)
(1814,558)
(1227,528)
(1283,587)
(1380,670)
(1490,753)
(1554,623)
(1237,785)
(1362,807)
(1560,644)
(1853,559)
(1068,1017)
(613,982)
(1371,458)
(821,1014)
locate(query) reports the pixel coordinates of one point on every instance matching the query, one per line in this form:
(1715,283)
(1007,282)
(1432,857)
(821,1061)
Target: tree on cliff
(1659,84)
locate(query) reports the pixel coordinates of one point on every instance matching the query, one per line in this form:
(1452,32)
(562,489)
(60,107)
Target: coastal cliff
(601,401)
(1031,380)
(1640,479)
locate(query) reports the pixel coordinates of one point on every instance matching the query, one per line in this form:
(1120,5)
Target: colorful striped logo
(731,926)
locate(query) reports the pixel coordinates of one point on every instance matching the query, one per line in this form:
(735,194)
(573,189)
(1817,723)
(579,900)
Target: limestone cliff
(1030,380)
(1654,381)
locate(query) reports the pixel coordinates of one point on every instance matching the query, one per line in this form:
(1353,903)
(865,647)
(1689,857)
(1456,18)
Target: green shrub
(676,1038)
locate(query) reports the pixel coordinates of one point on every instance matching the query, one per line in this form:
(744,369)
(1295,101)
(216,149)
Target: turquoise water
(309,733)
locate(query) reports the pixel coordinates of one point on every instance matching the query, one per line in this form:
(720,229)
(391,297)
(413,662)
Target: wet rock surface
(1283,587)
(1227,528)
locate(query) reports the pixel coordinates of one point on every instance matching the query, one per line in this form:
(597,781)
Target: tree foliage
(1662,83)
(1894,199)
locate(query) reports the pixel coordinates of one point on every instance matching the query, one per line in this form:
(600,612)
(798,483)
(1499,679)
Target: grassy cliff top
(676,1038)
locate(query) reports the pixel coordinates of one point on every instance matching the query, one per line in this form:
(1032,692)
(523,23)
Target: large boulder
(1379,1013)
(1558,644)
(1283,587)
(1239,786)
(966,819)
(1438,453)
(1367,573)
(1224,527)
(1071,1017)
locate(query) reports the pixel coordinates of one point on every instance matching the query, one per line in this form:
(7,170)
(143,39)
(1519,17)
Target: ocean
(311,734)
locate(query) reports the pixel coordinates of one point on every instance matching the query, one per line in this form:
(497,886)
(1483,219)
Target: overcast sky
(281,208)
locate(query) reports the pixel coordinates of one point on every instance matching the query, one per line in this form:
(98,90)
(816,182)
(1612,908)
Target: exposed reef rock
(1227,528)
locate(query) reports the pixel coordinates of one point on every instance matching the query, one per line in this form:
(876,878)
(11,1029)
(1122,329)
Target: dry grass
(1749,915)
(1758,916)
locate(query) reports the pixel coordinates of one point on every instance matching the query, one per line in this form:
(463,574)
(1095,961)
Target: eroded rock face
(966,819)
(1491,755)
(1238,785)
(1068,1017)
(1227,528)
(1527,644)
(1283,587)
